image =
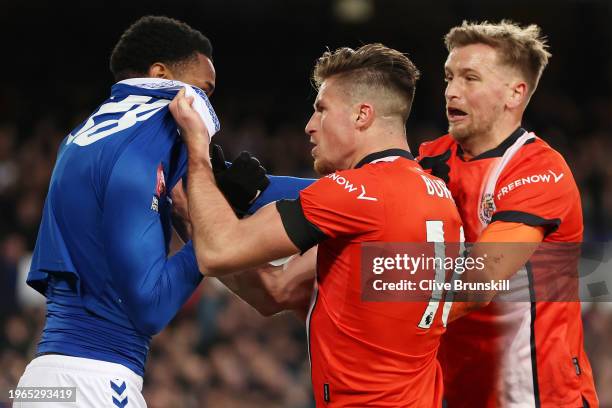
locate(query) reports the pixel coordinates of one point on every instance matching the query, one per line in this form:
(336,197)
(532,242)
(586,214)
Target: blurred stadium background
(218,352)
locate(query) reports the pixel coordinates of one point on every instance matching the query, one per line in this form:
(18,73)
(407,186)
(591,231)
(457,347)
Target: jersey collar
(496,151)
(385,153)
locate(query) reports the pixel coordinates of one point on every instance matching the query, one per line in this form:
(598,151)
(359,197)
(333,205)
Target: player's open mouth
(314,148)
(454,114)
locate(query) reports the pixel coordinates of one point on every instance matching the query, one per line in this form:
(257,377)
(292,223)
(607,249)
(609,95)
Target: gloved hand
(437,165)
(242,181)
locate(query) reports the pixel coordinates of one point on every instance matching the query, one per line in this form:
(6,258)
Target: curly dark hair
(156,39)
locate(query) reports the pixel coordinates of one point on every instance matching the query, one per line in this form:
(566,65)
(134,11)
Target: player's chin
(322,167)
(458,131)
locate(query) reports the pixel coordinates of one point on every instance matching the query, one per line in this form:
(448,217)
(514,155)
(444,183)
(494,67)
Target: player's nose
(310,126)
(451,91)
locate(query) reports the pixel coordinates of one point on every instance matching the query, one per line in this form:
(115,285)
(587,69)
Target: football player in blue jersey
(101,257)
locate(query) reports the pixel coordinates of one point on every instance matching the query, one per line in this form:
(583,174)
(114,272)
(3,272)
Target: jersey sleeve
(152,287)
(434,156)
(502,231)
(342,204)
(280,188)
(535,191)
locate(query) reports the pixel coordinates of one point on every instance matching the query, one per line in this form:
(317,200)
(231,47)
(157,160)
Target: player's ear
(518,94)
(160,70)
(365,115)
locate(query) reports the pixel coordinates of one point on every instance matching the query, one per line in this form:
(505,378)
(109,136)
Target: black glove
(242,181)
(438,165)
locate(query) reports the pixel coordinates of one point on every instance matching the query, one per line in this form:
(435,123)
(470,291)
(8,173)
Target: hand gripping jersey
(101,256)
(514,354)
(369,354)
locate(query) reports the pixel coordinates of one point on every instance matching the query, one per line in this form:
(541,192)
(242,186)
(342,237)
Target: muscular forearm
(500,261)
(271,289)
(249,286)
(223,243)
(503,249)
(295,281)
(212,218)
(498,264)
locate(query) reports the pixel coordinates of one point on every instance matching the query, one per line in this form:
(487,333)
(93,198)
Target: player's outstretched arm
(273,289)
(504,248)
(269,289)
(245,184)
(223,243)
(280,188)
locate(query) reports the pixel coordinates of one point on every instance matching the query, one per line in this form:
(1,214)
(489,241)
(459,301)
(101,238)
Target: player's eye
(471,78)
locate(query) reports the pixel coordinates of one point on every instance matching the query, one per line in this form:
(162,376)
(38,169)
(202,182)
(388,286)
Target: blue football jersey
(101,256)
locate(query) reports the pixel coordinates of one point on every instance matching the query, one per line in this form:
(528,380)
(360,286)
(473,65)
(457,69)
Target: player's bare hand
(192,127)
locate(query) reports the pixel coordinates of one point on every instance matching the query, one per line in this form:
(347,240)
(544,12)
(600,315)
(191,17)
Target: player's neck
(477,144)
(391,143)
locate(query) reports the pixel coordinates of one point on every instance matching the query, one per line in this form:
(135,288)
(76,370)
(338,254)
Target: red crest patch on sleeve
(160,188)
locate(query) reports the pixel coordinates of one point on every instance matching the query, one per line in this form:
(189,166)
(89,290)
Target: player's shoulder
(436,146)
(339,176)
(537,153)
(536,167)
(348,179)
(350,185)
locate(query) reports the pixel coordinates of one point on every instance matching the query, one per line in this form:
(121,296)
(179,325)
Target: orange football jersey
(514,354)
(371,354)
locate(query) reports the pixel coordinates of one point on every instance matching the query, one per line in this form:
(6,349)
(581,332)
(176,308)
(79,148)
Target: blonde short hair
(523,48)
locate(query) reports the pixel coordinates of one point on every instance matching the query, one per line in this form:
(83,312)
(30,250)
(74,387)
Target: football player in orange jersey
(363,354)
(509,186)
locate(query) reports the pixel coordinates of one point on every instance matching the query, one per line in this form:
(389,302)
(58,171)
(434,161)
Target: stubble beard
(470,132)
(460,134)
(322,167)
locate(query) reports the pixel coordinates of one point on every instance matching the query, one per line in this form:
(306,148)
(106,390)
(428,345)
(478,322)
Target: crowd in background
(219,352)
